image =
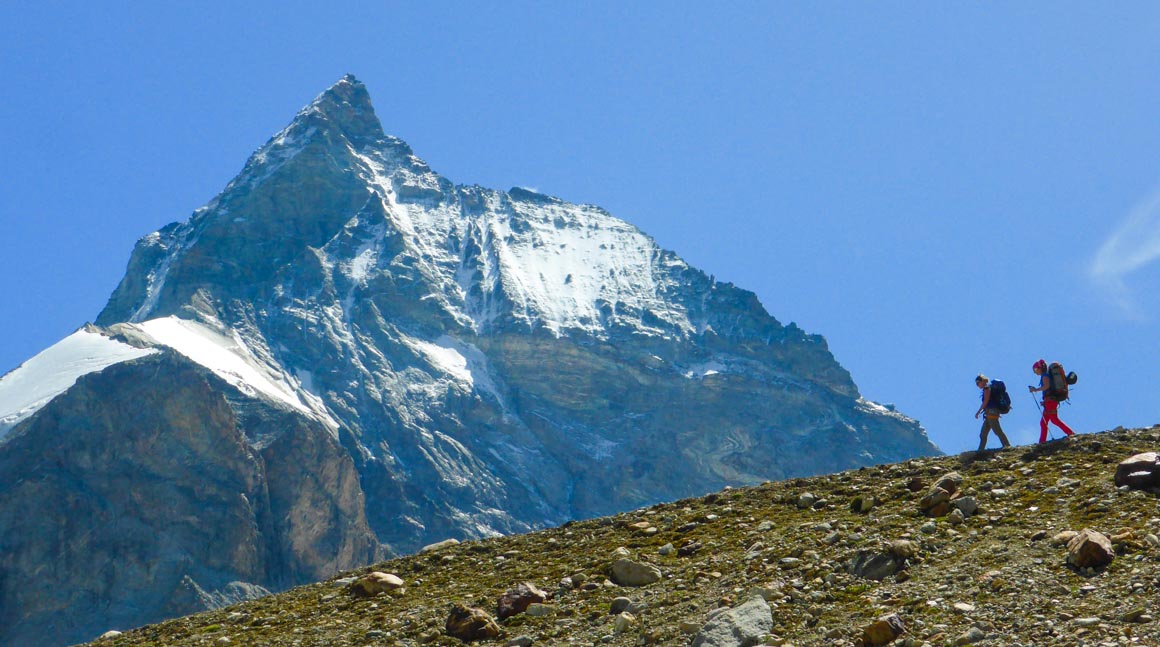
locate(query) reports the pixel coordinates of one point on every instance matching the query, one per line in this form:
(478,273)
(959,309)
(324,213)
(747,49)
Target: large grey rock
(627,572)
(741,626)
(876,566)
(1140,472)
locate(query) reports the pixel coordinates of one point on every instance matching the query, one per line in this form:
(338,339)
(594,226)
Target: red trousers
(1051,414)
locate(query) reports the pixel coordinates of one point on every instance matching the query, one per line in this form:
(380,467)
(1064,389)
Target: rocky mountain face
(344,353)
(1055,545)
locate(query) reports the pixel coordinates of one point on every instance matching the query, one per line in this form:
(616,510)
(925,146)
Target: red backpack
(1058,382)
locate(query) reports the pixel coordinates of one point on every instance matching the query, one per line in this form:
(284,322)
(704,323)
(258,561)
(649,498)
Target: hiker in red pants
(1050,403)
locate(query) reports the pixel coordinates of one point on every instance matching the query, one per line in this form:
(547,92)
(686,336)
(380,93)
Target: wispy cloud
(1133,245)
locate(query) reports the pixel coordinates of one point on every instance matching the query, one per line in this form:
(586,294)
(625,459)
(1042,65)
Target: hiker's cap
(1041,365)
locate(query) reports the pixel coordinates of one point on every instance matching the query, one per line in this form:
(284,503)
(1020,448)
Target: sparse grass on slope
(1010,582)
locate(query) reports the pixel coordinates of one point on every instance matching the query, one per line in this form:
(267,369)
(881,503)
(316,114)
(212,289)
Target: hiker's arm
(986,398)
(1042,385)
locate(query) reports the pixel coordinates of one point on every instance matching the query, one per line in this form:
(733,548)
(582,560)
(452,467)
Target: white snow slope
(28,388)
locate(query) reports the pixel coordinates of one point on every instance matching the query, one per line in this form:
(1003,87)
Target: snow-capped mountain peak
(372,353)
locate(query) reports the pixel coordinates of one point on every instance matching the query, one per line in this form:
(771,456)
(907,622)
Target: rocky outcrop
(137,496)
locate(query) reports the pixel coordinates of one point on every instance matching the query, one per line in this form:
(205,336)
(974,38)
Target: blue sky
(939,189)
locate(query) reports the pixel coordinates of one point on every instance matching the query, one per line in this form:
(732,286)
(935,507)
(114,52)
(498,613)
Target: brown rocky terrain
(845,559)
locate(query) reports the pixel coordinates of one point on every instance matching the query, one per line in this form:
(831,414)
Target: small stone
(623,622)
(689,549)
(768,592)
(862,504)
(1086,622)
(666,550)
(968,505)
(904,549)
(928,528)
(619,604)
(517,599)
(520,641)
(884,630)
(973,635)
(963,607)
(1134,615)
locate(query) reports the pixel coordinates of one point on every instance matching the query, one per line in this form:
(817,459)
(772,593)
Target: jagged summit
(346,105)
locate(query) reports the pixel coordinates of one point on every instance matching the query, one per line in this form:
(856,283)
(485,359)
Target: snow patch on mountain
(229,358)
(705,369)
(27,388)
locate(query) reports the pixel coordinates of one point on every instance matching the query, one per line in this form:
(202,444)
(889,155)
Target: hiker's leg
(1043,428)
(1051,413)
(999,432)
(986,429)
(1059,423)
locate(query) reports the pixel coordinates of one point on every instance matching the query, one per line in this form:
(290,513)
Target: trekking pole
(1036,401)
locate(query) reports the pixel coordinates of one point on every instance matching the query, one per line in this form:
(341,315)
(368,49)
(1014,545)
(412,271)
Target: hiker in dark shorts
(990,412)
(1050,402)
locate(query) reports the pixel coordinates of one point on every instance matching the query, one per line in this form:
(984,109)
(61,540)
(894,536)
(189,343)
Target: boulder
(937,500)
(1090,549)
(626,572)
(517,599)
(372,584)
(741,626)
(875,566)
(949,482)
(469,624)
(1140,472)
(446,543)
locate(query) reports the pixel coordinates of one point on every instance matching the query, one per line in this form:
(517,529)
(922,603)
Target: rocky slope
(344,354)
(815,561)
